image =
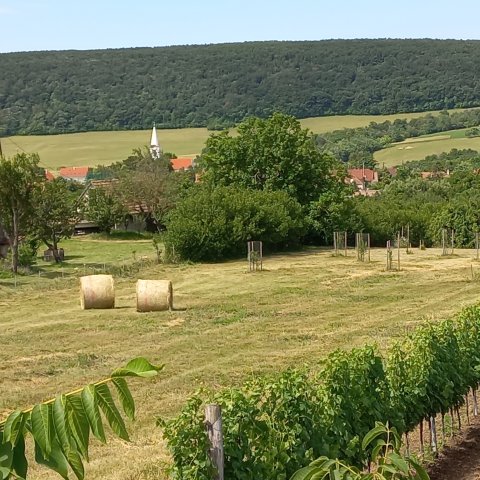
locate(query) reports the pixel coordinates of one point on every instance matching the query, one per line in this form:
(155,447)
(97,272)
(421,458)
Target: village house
(77,174)
(362,178)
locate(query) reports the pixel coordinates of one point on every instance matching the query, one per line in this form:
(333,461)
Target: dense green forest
(218,85)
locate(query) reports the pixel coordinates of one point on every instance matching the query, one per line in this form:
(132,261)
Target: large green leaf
(138,367)
(108,407)
(13,427)
(42,426)
(75,461)
(90,406)
(60,424)
(65,437)
(125,397)
(19,463)
(56,460)
(6,458)
(78,423)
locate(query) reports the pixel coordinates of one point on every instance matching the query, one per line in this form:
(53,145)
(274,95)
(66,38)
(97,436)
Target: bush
(27,252)
(215,223)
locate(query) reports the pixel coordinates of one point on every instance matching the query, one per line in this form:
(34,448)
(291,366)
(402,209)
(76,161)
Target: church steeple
(155,149)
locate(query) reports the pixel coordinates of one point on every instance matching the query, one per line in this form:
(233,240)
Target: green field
(419,147)
(227,325)
(103,148)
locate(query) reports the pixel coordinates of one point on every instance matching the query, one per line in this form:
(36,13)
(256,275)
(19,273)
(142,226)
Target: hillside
(103,148)
(420,147)
(217,85)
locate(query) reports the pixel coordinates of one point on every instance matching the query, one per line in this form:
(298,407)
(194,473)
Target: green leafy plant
(61,427)
(386,461)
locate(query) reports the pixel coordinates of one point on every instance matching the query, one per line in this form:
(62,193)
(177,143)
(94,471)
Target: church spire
(155,149)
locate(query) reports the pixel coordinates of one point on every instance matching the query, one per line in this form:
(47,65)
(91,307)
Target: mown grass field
(227,325)
(103,148)
(419,147)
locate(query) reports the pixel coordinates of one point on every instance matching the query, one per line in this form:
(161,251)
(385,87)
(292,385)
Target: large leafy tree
(20,179)
(271,154)
(105,209)
(55,214)
(150,185)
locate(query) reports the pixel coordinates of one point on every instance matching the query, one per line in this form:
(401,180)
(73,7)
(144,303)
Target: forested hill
(215,85)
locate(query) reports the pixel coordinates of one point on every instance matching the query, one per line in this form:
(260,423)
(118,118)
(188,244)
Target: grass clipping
(154,295)
(97,291)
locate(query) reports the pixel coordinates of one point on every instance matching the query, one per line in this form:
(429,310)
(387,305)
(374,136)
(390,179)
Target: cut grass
(418,148)
(103,148)
(227,325)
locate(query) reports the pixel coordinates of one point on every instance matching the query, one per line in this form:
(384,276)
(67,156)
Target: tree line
(220,85)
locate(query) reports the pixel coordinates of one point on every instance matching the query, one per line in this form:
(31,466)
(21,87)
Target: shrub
(215,223)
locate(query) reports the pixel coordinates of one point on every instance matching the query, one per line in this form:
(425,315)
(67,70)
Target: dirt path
(461,459)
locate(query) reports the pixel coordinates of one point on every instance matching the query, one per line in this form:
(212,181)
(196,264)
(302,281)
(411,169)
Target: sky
(27,25)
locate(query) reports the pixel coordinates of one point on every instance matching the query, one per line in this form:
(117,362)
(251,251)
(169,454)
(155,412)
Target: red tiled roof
(182,163)
(362,173)
(73,172)
(49,175)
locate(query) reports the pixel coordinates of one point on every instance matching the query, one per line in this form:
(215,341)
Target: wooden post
(213,423)
(261,256)
(368,248)
(433,436)
(335,246)
(398,254)
(467,408)
(422,450)
(477,243)
(346,240)
(475,404)
(408,238)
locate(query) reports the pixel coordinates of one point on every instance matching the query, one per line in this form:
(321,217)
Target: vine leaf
(125,397)
(108,407)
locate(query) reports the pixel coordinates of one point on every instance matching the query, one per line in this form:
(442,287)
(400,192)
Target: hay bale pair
(98,292)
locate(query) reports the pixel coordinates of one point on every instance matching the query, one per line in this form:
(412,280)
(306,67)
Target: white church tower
(155,149)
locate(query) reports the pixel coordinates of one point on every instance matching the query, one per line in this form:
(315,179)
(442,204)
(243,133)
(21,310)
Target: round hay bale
(154,295)
(97,291)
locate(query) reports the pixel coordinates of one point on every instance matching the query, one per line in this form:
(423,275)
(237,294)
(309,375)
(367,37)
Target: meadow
(103,148)
(419,147)
(227,325)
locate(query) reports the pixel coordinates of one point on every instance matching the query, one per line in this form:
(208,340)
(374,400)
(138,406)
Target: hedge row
(275,425)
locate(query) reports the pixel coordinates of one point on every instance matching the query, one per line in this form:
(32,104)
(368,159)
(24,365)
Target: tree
(55,214)
(20,178)
(214,223)
(271,154)
(104,209)
(151,185)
